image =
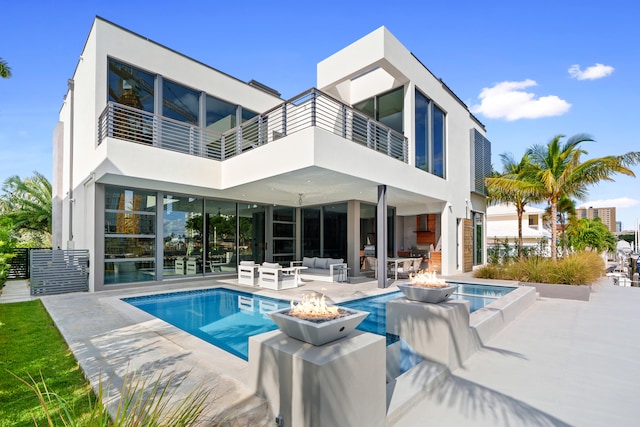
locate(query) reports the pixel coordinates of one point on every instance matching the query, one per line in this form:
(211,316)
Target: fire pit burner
(313,321)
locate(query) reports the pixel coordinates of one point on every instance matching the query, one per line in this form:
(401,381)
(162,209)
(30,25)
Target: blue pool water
(227,318)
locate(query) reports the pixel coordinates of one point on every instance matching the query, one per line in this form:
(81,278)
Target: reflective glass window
(221,248)
(252,232)
(390,107)
(182,235)
(422,141)
(438,142)
(367,107)
(129,235)
(221,115)
(130,86)
(248,114)
(430,143)
(334,220)
(180,102)
(311,232)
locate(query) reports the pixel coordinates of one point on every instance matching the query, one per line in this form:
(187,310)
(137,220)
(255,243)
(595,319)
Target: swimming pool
(227,318)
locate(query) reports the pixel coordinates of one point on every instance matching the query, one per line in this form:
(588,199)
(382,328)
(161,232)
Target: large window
(221,249)
(311,232)
(221,115)
(180,102)
(386,108)
(430,122)
(129,235)
(284,234)
(252,233)
(130,86)
(134,88)
(183,235)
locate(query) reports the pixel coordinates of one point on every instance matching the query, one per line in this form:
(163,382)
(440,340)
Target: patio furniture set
(273,276)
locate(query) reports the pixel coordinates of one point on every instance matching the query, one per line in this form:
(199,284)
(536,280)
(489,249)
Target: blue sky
(528,70)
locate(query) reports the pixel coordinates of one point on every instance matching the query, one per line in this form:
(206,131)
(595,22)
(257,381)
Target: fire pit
(424,286)
(315,322)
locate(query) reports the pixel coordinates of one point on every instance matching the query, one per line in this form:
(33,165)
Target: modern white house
(502,227)
(166,168)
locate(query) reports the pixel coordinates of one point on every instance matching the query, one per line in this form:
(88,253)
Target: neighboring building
(618,226)
(502,226)
(606,215)
(167,168)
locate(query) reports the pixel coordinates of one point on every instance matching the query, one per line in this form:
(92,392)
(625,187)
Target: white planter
(317,333)
(422,294)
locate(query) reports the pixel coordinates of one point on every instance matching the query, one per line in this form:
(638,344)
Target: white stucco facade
(296,163)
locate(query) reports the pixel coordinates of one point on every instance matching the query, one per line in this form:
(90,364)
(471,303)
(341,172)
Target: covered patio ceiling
(317,186)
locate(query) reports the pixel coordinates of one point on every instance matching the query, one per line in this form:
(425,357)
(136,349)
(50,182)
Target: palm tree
(500,188)
(566,210)
(27,204)
(558,171)
(5,70)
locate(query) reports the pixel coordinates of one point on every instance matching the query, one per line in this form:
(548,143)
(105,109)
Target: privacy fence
(59,271)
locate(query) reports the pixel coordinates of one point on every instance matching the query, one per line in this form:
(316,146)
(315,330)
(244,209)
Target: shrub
(490,271)
(577,269)
(7,245)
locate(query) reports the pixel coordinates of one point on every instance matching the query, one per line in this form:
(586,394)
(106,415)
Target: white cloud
(594,72)
(620,203)
(508,100)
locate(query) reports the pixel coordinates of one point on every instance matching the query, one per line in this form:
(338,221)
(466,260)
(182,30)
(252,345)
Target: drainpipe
(70,83)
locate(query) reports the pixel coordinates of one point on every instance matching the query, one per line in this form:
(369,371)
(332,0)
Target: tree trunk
(520,212)
(554,230)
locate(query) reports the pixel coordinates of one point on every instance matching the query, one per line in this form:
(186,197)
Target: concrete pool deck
(560,363)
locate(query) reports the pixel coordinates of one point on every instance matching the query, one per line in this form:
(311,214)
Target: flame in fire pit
(426,279)
(313,307)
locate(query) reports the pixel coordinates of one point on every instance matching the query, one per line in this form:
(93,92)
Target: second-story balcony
(309,109)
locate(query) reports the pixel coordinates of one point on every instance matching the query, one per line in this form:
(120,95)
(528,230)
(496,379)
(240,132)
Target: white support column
(381,236)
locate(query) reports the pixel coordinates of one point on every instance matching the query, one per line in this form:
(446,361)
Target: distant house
(502,225)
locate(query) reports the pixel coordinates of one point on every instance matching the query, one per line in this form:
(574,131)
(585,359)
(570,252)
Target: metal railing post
(313,108)
(238,140)
(284,119)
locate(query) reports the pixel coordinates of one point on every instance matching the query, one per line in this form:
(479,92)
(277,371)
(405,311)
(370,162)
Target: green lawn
(30,344)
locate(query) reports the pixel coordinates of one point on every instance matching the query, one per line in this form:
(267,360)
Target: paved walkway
(560,363)
(15,291)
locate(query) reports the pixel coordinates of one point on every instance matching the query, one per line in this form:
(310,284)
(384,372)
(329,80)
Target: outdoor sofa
(322,269)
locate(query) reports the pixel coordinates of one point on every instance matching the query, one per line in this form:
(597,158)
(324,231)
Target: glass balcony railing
(311,108)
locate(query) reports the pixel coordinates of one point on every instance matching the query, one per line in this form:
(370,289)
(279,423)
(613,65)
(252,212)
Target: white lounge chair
(248,273)
(272,276)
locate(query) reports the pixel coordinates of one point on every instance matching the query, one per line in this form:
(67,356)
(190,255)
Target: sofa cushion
(271,265)
(308,262)
(322,263)
(247,263)
(333,261)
